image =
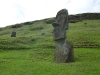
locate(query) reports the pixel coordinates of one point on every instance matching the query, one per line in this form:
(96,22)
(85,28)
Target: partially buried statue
(13,34)
(64,49)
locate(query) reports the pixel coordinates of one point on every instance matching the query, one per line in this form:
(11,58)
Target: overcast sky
(17,11)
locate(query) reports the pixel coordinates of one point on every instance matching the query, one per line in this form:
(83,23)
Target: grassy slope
(32,53)
(40,62)
(80,34)
(85,35)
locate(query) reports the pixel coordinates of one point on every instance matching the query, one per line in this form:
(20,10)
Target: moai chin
(64,49)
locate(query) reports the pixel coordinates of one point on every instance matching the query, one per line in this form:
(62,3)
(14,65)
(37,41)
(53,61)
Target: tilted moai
(64,49)
(13,34)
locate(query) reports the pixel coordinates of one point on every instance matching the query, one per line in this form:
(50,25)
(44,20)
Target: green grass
(32,51)
(40,62)
(82,34)
(85,35)
(16,43)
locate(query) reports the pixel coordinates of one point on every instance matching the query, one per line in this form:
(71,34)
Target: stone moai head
(61,19)
(61,24)
(13,34)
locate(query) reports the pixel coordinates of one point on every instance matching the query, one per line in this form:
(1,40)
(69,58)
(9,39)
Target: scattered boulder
(16,26)
(42,34)
(28,23)
(85,23)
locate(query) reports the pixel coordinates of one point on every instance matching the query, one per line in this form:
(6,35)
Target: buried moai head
(13,34)
(61,24)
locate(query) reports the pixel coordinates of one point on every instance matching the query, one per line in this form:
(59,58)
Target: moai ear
(65,19)
(66,23)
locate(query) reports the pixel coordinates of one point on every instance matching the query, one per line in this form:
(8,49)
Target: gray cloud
(83,6)
(16,11)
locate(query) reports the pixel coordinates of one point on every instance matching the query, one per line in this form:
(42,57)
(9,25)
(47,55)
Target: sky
(18,11)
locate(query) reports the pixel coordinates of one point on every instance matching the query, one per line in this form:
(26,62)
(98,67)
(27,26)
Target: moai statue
(13,34)
(64,49)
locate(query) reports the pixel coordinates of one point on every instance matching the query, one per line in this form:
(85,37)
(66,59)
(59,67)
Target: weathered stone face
(13,34)
(61,24)
(64,49)
(62,19)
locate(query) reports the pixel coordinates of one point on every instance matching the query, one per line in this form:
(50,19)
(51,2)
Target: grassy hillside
(31,51)
(40,62)
(84,33)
